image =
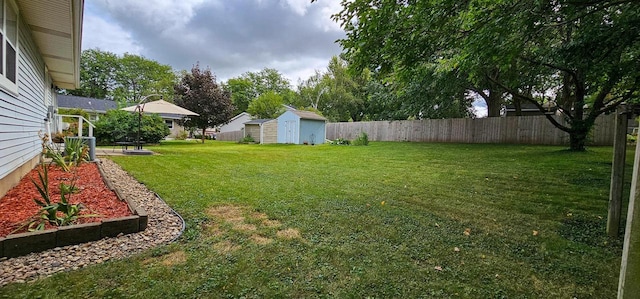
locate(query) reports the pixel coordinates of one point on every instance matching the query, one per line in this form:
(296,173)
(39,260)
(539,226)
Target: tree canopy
(127,78)
(581,56)
(267,106)
(199,92)
(250,85)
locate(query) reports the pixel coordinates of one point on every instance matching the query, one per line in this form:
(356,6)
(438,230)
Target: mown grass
(400,220)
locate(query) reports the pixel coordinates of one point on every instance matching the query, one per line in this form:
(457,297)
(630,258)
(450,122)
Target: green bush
(182,135)
(363,139)
(341,141)
(631,138)
(247,139)
(120,125)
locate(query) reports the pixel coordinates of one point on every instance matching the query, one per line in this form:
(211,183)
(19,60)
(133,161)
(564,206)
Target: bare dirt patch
(244,227)
(259,216)
(227,213)
(225,247)
(240,219)
(261,240)
(271,223)
(289,233)
(171,259)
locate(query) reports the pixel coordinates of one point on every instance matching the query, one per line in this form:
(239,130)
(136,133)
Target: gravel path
(164,226)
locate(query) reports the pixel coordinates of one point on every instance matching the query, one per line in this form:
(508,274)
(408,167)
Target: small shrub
(341,141)
(247,139)
(363,139)
(182,135)
(632,138)
(76,151)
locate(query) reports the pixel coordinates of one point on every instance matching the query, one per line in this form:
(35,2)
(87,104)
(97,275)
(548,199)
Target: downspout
(261,134)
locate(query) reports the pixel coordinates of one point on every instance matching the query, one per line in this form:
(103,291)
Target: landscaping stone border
(24,243)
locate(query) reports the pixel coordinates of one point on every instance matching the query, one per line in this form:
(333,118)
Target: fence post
(628,286)
(80,126)
(617,172)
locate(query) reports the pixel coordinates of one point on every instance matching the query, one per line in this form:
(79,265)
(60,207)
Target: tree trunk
(494,104)
(517,104)
(203,130)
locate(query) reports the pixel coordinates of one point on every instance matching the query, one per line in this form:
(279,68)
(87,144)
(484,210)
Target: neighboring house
(529,109)
(236,123)
(172,114)
(300,127)
(263,131)
(40,45)
(94,107)
(173,122)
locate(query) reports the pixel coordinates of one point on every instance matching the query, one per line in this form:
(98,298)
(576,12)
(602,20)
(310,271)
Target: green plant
(362,139)
(247,139)
(182,135)
(119,125)
(62,212)
(56,213)
(341,141)
(76,151)
(632,138)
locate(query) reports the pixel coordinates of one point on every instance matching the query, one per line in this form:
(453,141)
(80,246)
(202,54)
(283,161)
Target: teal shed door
(290,127)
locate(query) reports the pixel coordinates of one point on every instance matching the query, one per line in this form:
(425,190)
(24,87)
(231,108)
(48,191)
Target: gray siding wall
(22,117)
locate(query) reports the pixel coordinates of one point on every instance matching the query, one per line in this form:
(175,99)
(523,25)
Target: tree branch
(534,102)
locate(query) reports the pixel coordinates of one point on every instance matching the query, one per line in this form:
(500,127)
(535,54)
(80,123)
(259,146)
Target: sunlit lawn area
(401,220)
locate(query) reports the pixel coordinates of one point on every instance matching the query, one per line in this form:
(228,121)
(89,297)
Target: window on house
(169,123)
(8,45)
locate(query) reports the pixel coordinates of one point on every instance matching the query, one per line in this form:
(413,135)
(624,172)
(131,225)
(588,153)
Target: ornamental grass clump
(63,212)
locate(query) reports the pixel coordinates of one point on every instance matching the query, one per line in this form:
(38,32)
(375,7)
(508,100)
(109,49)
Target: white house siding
(237,123)
(22,117)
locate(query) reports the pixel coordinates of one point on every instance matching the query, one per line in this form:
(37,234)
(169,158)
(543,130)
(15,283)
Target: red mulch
(18,206)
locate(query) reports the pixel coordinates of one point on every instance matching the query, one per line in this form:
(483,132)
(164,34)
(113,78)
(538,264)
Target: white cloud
(231,37)
(479,108)
(107,36)
(298,6)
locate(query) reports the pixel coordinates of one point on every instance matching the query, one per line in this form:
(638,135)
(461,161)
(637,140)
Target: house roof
(239,115)
(531,106)
(308,115)
(257,121)
(56,27)
(161,107)
(87,104)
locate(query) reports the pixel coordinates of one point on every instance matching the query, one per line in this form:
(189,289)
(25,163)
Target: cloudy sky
(231,37)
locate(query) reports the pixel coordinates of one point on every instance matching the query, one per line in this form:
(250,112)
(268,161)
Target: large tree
(127,78)
(97,74)
(137,76)
(268,105)
(581,56)
(199,92)
(250,85)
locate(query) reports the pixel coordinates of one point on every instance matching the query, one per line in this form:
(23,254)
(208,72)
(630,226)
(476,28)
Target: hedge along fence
(512,129)
(230,136)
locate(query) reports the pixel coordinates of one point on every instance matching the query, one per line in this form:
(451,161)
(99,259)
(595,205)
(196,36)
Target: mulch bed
(17,207)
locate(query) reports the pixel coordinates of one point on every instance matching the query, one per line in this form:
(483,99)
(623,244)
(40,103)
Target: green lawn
(400,220)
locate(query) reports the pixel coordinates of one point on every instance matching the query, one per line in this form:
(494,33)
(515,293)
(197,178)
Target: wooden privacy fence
(512,129)
(230,136)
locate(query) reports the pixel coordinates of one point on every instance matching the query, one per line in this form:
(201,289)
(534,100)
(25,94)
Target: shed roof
(308,115)
(87,104)
(257,121)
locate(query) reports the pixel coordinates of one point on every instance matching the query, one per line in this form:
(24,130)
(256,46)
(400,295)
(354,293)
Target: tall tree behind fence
(512,129)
